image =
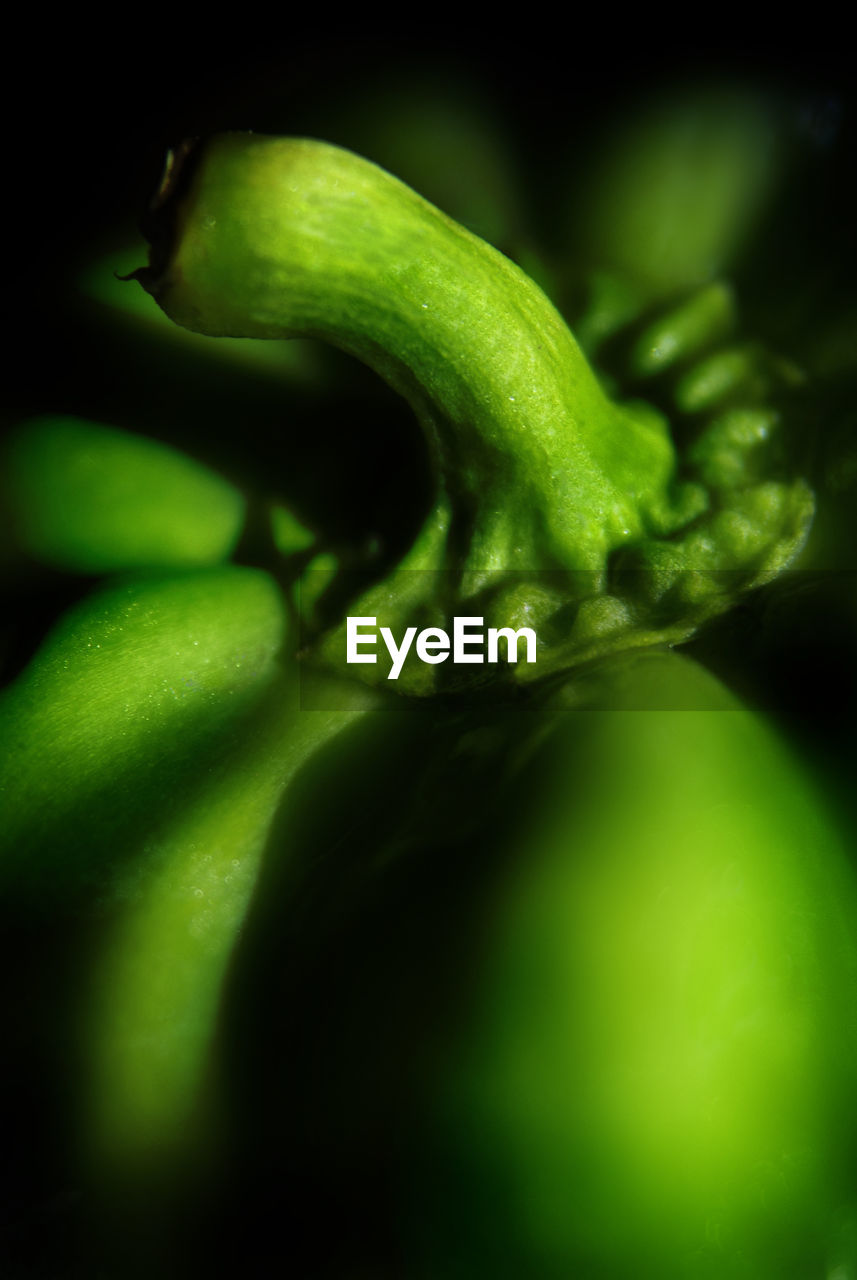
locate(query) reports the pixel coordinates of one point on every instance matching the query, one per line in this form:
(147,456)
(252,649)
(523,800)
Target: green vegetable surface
(538,968)
(537,471)
(665,974)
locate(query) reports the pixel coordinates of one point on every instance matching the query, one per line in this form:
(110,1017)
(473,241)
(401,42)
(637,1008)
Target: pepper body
(150,742)
(655,1075)
(588,996)
(559,964)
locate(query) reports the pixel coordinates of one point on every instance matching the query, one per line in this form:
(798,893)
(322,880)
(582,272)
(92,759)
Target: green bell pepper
(640,1061)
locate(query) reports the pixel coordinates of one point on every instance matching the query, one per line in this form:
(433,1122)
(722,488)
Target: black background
(90,108)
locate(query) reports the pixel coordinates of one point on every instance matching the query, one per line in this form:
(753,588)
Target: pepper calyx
(553,501)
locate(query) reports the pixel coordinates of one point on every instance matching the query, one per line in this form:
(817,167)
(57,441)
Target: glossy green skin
(158,982)
(586,967)
(655,1074)
(123,742)
(148,745)
(124,695)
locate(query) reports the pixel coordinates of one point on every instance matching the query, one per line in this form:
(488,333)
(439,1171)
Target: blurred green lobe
(675,194)
(94,499)
(656,1074)
(149,743)
(123,703)
(155,996)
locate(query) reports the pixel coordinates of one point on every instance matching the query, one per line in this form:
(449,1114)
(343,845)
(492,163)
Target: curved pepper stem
(278,237)
(538,472)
